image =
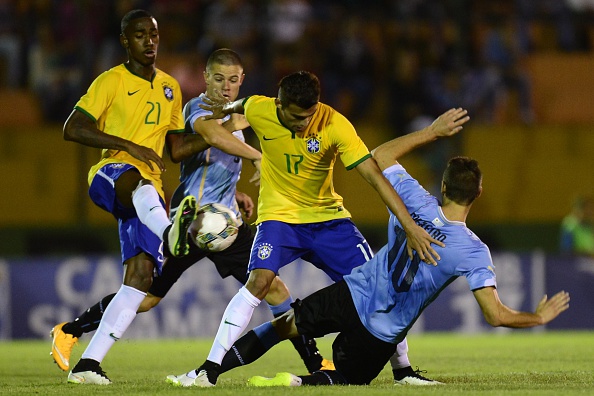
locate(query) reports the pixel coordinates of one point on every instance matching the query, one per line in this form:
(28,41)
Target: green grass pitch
(517,363)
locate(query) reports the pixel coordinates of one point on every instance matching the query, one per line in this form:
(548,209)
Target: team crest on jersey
(264,251)
(168,92)
(313,145)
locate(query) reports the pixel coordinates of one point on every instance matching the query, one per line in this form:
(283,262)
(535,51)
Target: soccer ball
(215,227)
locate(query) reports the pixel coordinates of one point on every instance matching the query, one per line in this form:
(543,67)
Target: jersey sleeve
(350,146)
(253,106)
(408,188)
(99,96)
(193,111)
(176,124)
(478,268)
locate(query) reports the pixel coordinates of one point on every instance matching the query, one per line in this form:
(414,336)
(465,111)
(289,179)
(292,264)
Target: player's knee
(148,303)
(142,182)
(258,283)
(139,273)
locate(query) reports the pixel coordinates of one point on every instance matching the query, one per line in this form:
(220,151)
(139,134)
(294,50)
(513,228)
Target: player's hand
(215,105)
(255,178)
(236,122)
(550,309)
(450,122)
(146,155)
(245,203)
(420,241)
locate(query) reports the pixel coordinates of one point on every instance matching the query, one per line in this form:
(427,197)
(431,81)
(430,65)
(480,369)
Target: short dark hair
(130,16)
(301,88)
(462,179)
(223,56)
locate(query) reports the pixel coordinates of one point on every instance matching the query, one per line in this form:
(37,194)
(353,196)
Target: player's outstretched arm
(218,136)
(417,238)
(82,129)
(448,124)
(498,314)
(183,145)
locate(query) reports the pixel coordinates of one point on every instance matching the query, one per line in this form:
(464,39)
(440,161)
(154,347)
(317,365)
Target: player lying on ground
(376,305)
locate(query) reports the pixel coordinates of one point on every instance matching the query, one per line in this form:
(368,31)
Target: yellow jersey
(128,106)
(296,184)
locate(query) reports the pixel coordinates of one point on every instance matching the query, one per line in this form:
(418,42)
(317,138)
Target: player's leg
(141,254)
(402,370)
(358,355)
(317,315)
(233,262)
(270,252)
(339,248)
(235,319)
(279,301)
(246,349)
(115,321)
(147,203)
(65,335)
(258,341)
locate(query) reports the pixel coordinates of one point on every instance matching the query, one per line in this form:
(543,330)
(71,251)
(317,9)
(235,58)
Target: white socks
(400,357)
(117,317)
(149,209)
(236,317)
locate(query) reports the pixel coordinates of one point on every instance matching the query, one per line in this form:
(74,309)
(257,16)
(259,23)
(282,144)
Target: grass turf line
(516,363)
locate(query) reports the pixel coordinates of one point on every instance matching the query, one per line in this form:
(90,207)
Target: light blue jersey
(390,291)
(210,175)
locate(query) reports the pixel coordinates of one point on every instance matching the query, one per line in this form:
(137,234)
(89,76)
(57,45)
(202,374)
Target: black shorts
(358,355)
(231,261)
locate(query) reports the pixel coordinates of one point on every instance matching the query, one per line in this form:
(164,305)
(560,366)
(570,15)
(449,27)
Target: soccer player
(299,213)
(127,111)
(373,308)
(210,168)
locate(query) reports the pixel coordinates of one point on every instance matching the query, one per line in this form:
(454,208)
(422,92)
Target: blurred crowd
(402,62)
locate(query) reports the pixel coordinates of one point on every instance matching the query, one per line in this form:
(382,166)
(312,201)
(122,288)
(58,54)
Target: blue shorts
(335,247)
(135,237)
